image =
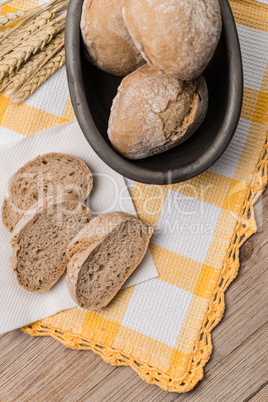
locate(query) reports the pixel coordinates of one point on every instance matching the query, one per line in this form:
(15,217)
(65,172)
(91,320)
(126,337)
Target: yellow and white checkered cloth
(161,328)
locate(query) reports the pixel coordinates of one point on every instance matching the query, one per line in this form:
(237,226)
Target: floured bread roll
(175,36)
(153,112)
(106,38)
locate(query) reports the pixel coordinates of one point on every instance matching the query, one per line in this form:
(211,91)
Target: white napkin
(17,306)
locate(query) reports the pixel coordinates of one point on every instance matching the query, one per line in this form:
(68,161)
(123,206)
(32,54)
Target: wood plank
(238,376)
(261,396)
(125,385)
(41,368)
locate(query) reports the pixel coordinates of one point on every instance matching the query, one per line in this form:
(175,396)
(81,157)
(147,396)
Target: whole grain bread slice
(40,240)
(102,257)
(47,175)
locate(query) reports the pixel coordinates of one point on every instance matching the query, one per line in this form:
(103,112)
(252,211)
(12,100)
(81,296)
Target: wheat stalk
(49,57)
(54,64)
(61,6)
(30,46)
(28,16)
(5,2)
(4,31)
(36,10)
(22,34)
(54,22)
(38,35)
(11,17)
(30,67)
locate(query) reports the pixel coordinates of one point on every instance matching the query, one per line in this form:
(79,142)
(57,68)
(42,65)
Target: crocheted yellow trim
(245,227)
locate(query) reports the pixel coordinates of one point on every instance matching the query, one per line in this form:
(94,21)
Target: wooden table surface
(42,369)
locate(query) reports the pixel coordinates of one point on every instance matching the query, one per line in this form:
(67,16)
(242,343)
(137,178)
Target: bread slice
(47,175)
(103,255)
(40,240)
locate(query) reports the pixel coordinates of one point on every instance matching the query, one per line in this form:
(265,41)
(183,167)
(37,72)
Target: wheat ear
(22,21)
(30,46)
(6,80)
(49,57)
(29,68)
(10,17)
(28,16)
(27,30)
(54,64)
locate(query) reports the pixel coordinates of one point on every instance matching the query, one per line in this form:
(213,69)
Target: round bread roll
(177,37)
(106,38)
(153,112)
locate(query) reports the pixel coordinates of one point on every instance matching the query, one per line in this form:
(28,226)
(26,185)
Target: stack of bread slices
(53,228)
(163,46)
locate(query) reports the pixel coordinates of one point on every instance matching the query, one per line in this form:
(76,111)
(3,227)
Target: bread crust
(12,208)
(153,112)
(94,234)
(29,217)
(176,37)
(10,217)
(107,41)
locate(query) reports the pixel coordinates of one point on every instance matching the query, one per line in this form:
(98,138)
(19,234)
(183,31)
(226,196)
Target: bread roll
(175,36)
(103,255)
(106,38)
(153,112)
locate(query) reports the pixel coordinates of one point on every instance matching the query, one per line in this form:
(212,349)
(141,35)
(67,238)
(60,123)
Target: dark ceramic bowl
(93,90)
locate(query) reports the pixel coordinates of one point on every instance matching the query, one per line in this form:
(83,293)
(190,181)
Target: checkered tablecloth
(161,328)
